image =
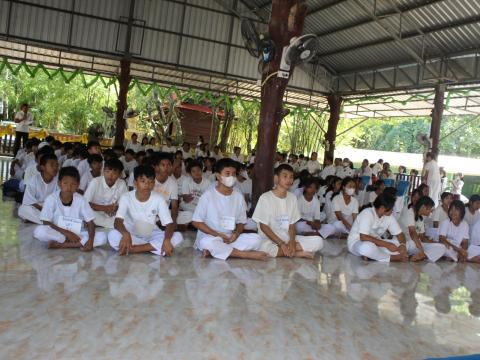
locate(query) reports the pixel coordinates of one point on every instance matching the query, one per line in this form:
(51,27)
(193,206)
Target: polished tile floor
(57,304)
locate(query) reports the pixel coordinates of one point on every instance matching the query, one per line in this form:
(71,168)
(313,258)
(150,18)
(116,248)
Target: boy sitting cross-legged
(104,191)
(220,217)
(276,214)
(65,216)
(136,228)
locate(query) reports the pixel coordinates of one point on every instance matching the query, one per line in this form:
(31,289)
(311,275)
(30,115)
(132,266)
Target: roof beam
(402,37)
(325,7)
(403,10)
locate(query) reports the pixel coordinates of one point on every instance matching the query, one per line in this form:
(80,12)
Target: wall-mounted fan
(425,141)
(258,44)
(301,49)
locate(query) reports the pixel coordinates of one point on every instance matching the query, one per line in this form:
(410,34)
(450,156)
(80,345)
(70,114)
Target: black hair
(69,171)
(414,192)
(423,201)
(118,147)
(94,158)
(178,152)
(83,153)
(44,151)
(224,163)
(140,154)
(304,176)
(92,143)
(109,154)
(134,134)
(460,206)
(194,164)
(49,139)
(130,151)
(309,182)
(46,157)
(445,194)
(113,164)
(345,182)
(144,170)
(158,157)
(473,198)
(329,158)
(377,185)
(57,143)
(385,200)
(421,187)
(283,167)
(30,143)
(68,146)
(391,191)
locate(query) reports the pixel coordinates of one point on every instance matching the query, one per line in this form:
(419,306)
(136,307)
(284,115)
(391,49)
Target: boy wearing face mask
(220,217)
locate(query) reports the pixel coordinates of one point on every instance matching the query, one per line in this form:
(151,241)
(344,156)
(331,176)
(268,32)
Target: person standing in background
(23,119)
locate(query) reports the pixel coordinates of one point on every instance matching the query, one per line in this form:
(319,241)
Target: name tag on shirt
(283,222)
(70,224)
(227,222)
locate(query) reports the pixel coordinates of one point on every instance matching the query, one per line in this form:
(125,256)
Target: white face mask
(350,191)
(229,181)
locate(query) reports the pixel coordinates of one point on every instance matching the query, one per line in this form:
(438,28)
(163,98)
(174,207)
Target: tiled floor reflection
(70,305)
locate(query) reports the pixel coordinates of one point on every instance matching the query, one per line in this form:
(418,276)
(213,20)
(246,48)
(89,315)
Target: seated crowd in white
(139,199)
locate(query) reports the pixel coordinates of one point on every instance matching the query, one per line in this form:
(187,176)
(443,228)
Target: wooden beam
(286,21)
(335,103)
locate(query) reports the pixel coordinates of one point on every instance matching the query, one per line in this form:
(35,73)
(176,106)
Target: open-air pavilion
(373,59)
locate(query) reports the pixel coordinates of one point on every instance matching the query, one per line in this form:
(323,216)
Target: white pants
(335,228)
(250,225)
(103,220)
(45,233)
(29,213)
(219,250)
(433,252)
(432,233)
(155,240)
(184,217)
(308,243)
(473,251)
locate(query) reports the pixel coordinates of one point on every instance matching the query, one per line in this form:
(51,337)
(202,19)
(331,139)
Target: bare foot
(416,258)
(206,254)
(53,245)
(398,258)
(256,255)
(305,254)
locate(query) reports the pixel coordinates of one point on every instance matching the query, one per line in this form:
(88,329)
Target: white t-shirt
(168,189)
(470,218)
(30,172)
(407,219)
(454,234)
(85,180)
(70,162)
(433,172)
(338,204)
(186,154)
(372,196)
(220,212)
(344,172)
(135,147)
(169,149)
(83,167)
(23,125)
(53,209)
(98,192)
(131,210)
(129,166)
(365,172)
(457,186)
(37,190)
(368,223)
(278,214)
(377,168)
(190,187)
(238,158)
(328,170)
(313,166)
(246,186)
(216,156)
(439,214)
(475,234)
(309,210)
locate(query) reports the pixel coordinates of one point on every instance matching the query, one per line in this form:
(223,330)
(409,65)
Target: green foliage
(56,105)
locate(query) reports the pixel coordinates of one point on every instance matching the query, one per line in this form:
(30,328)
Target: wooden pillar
(437,114)
(335,103)
(286,21)
(122,105)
